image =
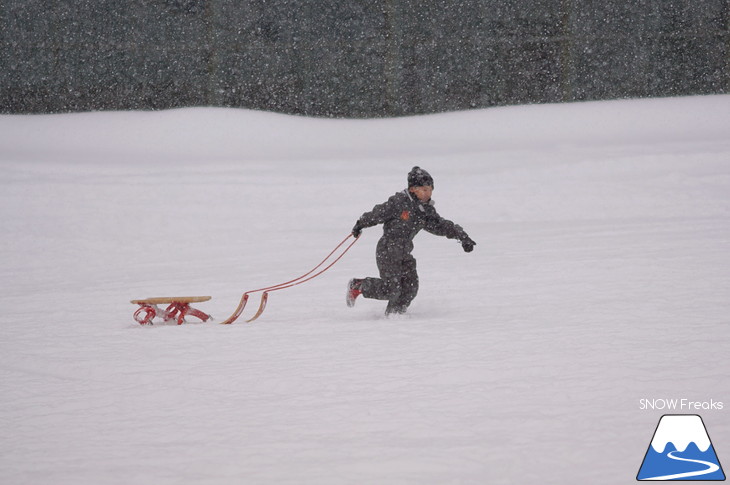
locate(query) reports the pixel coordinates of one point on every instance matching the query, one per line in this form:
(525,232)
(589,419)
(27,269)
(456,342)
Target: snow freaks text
(663,404)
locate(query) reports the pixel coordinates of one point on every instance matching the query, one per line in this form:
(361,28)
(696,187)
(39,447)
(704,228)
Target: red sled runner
(178,308)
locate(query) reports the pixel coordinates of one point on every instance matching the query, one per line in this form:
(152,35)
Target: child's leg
(389,285)
(405,286)
(408,284)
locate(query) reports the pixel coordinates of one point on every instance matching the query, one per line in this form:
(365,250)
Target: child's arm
(380,214)
(443,227)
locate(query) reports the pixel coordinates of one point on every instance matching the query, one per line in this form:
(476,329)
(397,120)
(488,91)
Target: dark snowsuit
(402,216)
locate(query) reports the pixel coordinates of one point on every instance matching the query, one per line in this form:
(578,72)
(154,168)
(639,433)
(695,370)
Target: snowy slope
(601,277)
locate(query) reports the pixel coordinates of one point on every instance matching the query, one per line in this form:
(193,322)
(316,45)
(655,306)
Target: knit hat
(418,177)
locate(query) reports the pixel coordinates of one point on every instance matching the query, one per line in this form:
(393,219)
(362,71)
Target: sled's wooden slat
(172,299)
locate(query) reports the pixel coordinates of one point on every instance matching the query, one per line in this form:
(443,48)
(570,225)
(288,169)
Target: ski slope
(601,276)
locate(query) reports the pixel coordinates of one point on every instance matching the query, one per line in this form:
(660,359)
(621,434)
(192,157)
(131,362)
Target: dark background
(354,58)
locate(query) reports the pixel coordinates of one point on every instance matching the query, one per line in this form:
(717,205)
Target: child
(403,216)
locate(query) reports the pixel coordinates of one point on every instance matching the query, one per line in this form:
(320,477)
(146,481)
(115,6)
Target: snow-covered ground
(601,277)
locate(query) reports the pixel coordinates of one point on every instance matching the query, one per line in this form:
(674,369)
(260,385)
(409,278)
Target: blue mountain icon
(681,450)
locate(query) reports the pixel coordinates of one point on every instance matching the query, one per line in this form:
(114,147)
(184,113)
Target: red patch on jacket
(405,215)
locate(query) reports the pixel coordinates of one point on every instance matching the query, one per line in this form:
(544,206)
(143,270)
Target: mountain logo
(681,450)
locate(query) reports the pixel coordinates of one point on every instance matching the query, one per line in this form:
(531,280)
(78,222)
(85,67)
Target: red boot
(353,291)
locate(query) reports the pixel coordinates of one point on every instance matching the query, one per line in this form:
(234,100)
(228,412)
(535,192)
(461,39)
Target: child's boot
(353,291)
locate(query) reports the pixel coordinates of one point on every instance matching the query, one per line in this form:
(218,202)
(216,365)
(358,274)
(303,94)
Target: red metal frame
(175,311)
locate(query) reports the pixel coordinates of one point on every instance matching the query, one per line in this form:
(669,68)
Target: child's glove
(468,244)
(357,230)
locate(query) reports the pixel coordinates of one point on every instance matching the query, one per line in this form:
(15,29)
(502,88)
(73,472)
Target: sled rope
(288,284)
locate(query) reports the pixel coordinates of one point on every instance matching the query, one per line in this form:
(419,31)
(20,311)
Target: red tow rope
(288,284)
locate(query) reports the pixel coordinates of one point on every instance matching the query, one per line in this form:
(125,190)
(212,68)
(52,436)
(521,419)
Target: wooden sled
(178,308)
